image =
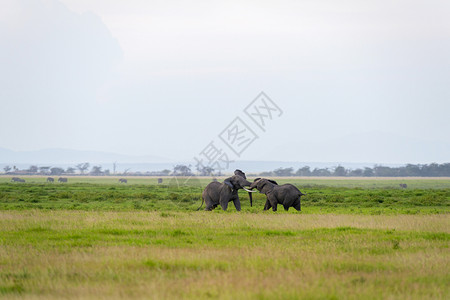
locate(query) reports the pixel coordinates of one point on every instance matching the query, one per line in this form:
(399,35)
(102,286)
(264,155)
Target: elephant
(62,179)
(286,194)
(17,179)
(50,179)
(217,193)
(160,180)
(123,180)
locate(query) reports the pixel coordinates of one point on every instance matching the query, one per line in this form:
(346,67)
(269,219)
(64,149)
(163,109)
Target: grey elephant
(62,179)
(50,179)
(123,180)
(217,193)
(287,195)
(17,179)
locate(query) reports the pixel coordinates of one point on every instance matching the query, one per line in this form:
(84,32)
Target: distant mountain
(68,156)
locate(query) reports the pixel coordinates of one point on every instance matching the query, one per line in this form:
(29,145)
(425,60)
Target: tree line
(79,169)
(409,170)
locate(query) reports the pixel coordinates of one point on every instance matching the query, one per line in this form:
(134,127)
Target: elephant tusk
(249,190)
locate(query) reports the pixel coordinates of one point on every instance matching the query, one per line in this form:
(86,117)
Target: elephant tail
(203,200)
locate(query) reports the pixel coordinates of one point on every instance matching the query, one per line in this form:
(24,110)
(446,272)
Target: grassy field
(357,182)
(96,239)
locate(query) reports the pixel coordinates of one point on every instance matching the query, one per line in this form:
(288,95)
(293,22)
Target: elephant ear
(228,182)
(260,184)
(272,181)
(264,186)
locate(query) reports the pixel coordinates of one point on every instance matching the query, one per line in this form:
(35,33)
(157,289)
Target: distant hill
(68,156)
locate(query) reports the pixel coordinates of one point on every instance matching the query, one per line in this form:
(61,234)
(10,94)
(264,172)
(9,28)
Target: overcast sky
(357,81)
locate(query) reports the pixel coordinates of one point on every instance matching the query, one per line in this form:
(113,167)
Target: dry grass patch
(108,255)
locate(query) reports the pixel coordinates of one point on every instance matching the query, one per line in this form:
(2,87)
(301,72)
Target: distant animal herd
(49,179)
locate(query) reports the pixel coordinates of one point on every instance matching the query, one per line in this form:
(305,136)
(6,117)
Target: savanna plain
(93,238)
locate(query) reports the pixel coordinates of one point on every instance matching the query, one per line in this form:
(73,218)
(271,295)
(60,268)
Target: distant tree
(82,167)
(304,171)
(444,170)
(410,170)
(340,171)
(283,172)
(44,170)
(382,171)
(165,172)
(56,171)
(321,172)
(96,170)
(33,169)
(107,172)
(70,170)
(356,173)
(182,170)
(266,174)
(368,172)
(205,171)
(7,169)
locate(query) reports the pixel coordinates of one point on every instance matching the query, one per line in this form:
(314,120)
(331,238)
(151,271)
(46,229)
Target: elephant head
(237,182)
(286,194)
(240,173)
(263,185)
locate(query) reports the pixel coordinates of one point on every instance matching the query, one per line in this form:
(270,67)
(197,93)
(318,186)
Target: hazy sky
(357,81)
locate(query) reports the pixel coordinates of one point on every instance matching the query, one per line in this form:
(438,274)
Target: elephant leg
(288,203)
(224,204)
(297,204)
(274,205)
(209,203)
(267,205)
(226,195)
(237,204)
(273,202)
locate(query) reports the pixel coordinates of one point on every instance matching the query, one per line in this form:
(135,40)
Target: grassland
(96,239)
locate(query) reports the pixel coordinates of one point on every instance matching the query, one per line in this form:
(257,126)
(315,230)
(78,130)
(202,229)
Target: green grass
(354,182)
(96,239)
(185,195)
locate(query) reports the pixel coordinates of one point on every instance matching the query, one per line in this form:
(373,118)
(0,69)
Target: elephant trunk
(249,192)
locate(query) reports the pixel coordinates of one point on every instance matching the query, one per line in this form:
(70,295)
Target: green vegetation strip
(153,197)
